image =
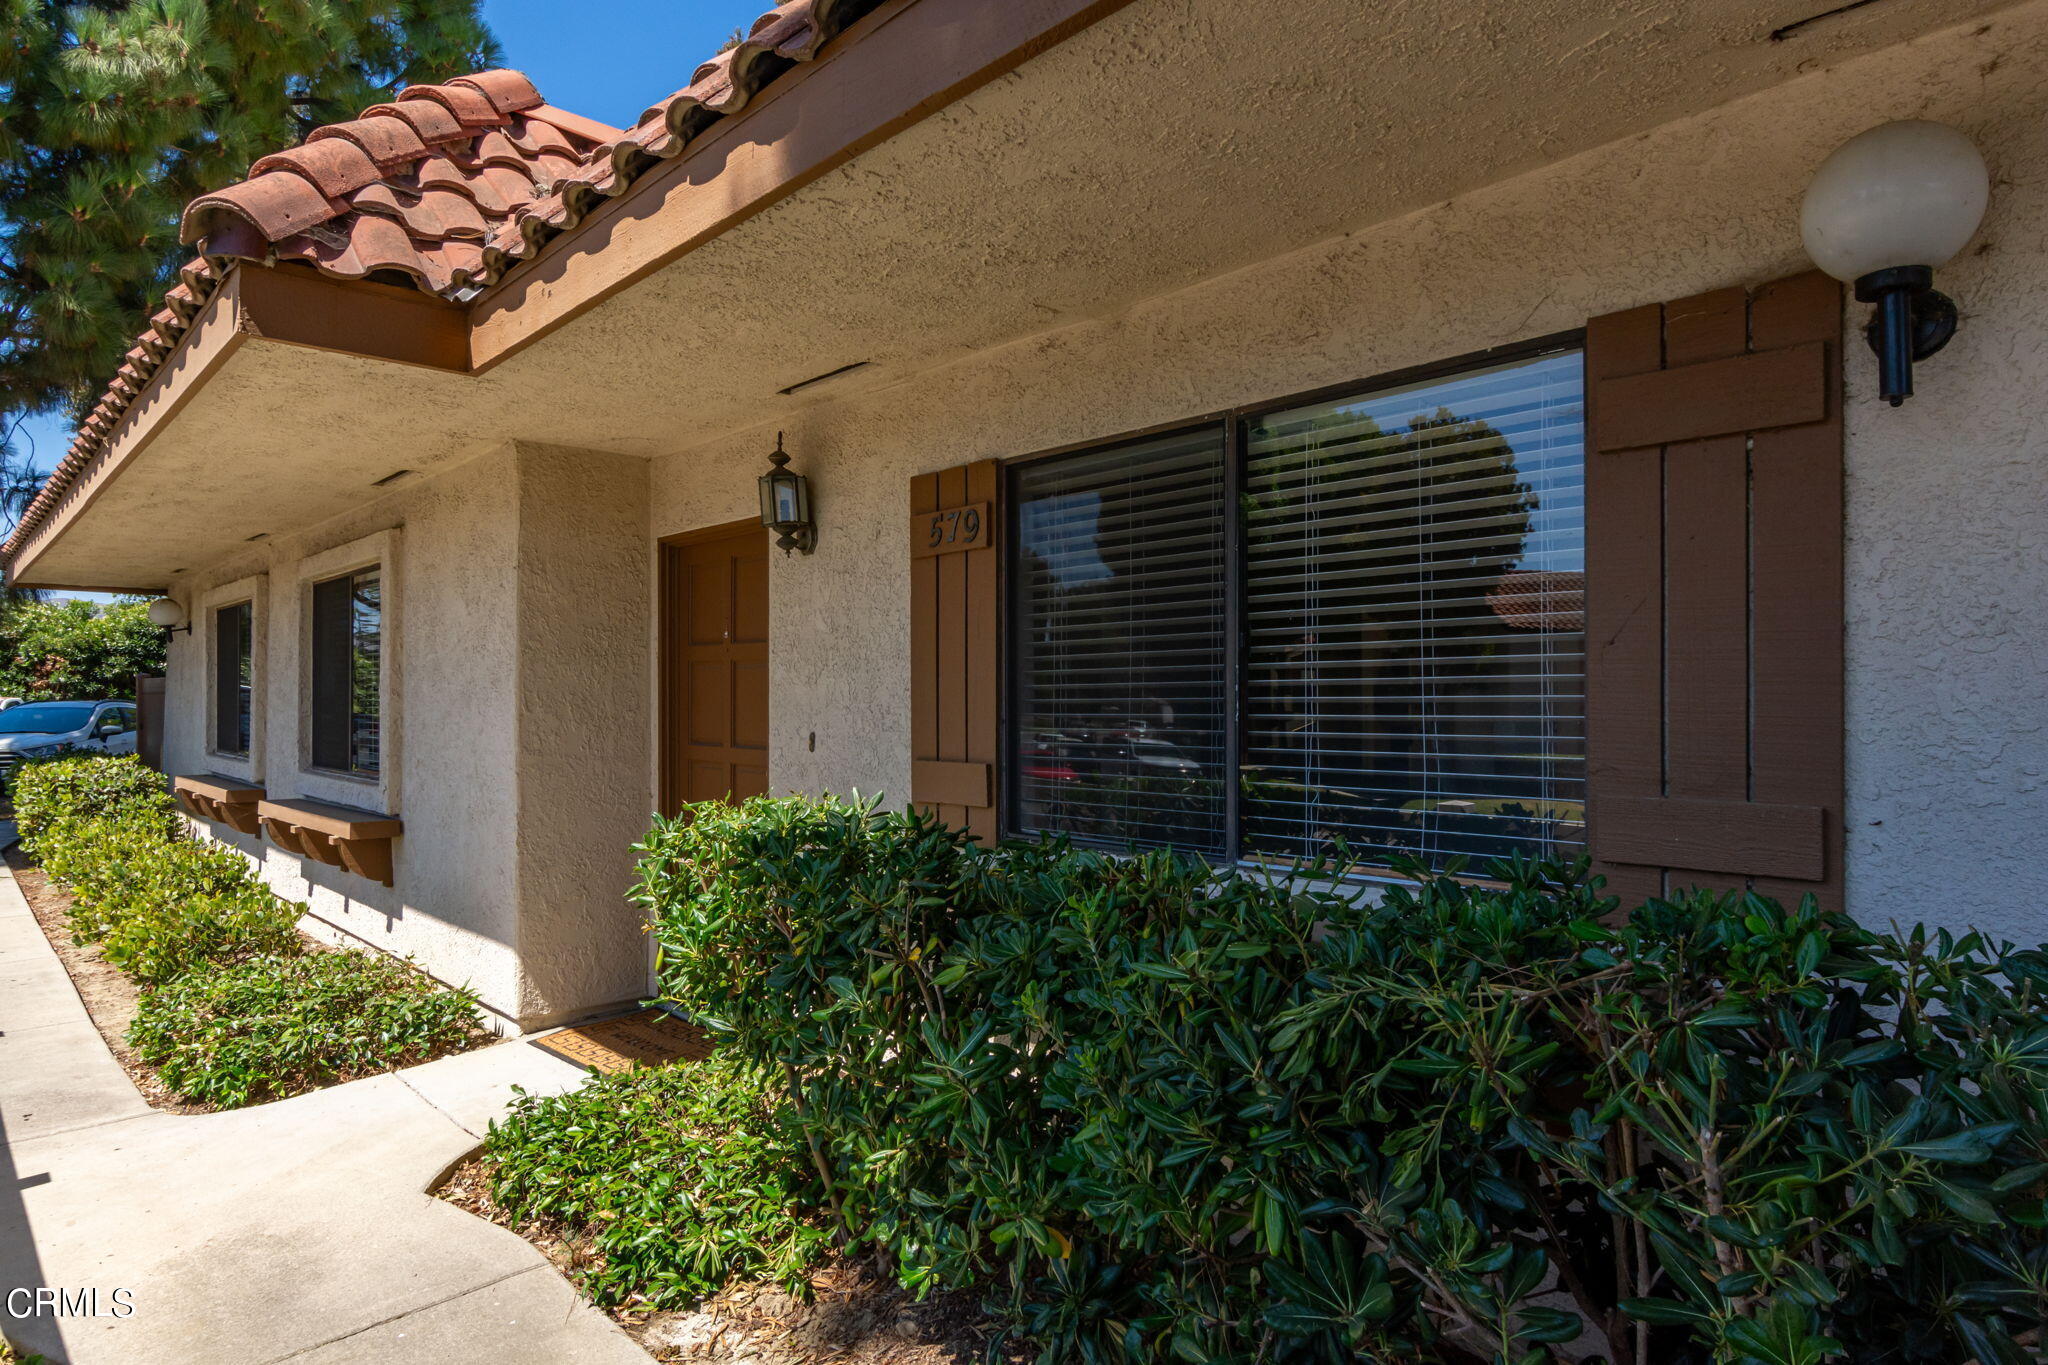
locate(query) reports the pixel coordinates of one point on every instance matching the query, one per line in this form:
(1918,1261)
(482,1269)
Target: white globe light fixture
(166,612)
(1890,207)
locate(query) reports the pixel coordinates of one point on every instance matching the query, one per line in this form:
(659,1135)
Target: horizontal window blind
(347,651)
(1119,686)
(233,678)
(1414,617)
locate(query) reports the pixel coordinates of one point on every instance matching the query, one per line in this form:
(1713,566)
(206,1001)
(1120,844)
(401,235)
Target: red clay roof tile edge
(488,101)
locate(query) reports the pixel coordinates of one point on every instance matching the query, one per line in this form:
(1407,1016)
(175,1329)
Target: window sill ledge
(222,800)
(357,841)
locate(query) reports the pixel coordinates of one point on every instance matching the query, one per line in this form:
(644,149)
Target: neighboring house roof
(1538,599)
(446,188)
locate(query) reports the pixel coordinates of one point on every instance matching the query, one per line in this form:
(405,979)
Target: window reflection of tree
(1384,721)
(366,639)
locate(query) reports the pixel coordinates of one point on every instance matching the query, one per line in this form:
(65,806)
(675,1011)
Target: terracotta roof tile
(335,165)
(433,215)
(433,122)
(466,102)
(276,203)
(575,125)
(391,142)
(449,186)
(508,91)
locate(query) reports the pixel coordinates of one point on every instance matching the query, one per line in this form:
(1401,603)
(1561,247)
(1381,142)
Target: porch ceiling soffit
(1124,138)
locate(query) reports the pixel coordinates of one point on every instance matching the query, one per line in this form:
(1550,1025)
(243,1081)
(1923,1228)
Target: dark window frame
(1235,423)
(247,606)
(328,702)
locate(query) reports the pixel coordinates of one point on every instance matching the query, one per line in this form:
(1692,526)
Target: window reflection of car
(1148,756)
(44,729)
(1043,759)
(1065,757)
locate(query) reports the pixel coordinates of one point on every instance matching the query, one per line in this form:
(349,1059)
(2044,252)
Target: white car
(42,729)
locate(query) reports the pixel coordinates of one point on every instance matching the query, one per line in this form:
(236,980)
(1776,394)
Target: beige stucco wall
(524,652)
(583,715)
(1948,574)
(502,743)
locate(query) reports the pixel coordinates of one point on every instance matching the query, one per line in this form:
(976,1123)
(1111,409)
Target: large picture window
(1359,621)
(1117,639)
(347,673)
(234,678)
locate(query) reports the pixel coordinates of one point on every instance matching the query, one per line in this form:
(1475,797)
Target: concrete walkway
(295,1231)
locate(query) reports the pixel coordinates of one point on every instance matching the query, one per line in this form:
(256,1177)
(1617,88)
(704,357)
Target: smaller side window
(234,676)
(347,645)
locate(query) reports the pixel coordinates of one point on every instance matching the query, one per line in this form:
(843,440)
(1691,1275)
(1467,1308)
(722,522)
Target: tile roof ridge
(298,206)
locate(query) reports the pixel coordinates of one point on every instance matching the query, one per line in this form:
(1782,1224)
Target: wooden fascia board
(897,66)
(298,307)
(284,305)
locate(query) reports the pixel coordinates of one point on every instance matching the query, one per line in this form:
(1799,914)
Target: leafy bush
(1184,1116)
(676,1178)
(232,1011)
(55,651)
(122,868)
(271,1027)
(219,928)
(51,791)
(156,899)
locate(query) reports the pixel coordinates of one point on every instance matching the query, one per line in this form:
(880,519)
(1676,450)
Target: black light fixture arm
(1912,321)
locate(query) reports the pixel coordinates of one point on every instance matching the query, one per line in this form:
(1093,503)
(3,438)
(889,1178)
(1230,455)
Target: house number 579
(950,529)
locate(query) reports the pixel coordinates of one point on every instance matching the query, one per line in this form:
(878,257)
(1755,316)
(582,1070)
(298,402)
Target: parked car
(40,729)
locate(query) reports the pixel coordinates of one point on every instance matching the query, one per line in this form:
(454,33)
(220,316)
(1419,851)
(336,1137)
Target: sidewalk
(296,1231)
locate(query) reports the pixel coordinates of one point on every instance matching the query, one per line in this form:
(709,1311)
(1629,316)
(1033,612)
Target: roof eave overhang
(289,306)
(897,65)
(812,121)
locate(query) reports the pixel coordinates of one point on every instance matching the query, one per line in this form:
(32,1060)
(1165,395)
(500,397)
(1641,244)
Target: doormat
(649,1038)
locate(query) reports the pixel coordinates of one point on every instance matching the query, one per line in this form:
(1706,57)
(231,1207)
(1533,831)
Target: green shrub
(1222,1118)
(120,869)
(53,791)
(225,927)
(270,1027)
(676,1178)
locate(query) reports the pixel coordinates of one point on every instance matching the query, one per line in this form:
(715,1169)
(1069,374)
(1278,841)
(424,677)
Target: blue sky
(607,59)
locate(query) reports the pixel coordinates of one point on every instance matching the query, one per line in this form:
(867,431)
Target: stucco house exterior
(1232,426)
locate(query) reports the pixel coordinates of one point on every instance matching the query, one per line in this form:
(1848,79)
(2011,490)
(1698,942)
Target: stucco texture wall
(1948,555)
(514,734)
(453,893)
(582,709)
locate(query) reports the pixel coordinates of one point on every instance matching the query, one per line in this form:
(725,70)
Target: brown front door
(714,684)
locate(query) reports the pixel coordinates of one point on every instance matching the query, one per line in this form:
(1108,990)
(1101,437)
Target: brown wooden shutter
(954,615)
(1714,593)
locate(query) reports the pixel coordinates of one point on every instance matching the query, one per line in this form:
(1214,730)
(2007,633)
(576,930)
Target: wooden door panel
(714,633)
(749,708)
(708,782)
(709,596)
(750,599)
(710,692)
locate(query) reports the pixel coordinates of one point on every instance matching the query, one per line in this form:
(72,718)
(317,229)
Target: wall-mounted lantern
(166,612)
(786,504)
(1890,207)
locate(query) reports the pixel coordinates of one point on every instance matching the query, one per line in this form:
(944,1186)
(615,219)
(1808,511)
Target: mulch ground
(110,998)
(855,1316)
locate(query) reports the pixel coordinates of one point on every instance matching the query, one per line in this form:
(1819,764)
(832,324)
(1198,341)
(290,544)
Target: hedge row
(1181,1116)
(234,1007)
